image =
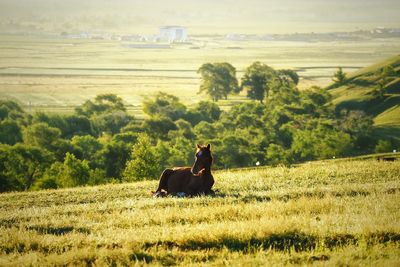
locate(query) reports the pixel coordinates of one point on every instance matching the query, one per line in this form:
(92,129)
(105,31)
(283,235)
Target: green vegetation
(339,77)
(218,80)
(102,143)
(257,80)
(332,213)
(375,90)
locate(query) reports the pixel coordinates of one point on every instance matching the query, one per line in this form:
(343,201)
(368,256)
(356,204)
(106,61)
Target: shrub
(144,163)
(383,146)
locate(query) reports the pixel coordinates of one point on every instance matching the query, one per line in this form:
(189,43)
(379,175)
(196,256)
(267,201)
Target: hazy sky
(200,16)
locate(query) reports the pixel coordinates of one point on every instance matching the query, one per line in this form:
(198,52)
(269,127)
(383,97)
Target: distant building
(173,34)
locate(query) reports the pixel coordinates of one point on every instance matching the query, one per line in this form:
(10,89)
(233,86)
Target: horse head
(203,160)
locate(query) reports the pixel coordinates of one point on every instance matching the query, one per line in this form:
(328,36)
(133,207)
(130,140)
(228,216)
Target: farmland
(55,75)
(328,213)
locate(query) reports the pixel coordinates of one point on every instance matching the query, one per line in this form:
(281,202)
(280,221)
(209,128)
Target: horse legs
(162,189)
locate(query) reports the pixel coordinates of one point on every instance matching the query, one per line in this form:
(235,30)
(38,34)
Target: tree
(10,132)
(25,164)
(77,125)
(144,163)
(316,102)
(205,131)
(184,129)
(218,80)
(128,137)
(41,135)
(8,180)
(103,103)
(256,80)
(111,122)
(11,110)
(359,125)
(69,125)
(89,146)
(164,105)
(386,75)
(320,143)
(206,110)
(62,146)
(276,154)
(283,90)
(113,157)
(158,127)
(339,77)
(181,152)
(234,152)
(291,74)
(243,115)
(73,172)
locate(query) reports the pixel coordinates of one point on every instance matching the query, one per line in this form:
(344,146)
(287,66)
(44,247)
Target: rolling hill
(359,91)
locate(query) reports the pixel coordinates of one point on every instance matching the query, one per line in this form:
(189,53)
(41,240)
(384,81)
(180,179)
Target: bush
(276,154)
(46,182)
(97,176)
(144,163)
(383,146)
(73,172)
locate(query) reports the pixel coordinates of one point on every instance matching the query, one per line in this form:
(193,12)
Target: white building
(173,34)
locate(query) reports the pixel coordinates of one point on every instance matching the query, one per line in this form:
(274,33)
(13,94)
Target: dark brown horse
(191,181)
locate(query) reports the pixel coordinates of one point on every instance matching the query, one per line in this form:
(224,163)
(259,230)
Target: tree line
(101,143)
(218,80)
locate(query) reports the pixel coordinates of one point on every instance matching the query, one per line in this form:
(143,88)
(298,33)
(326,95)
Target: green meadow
(330,213)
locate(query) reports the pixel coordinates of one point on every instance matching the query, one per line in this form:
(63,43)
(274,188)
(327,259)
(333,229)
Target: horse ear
(198,146)
(208,146)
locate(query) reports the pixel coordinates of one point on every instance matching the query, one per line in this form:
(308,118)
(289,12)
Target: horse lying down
(189,181)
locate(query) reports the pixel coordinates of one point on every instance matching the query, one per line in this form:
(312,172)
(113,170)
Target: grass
(357,93)
(324,213)
(387,132)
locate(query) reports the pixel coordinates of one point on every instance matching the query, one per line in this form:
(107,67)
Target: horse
(190,181)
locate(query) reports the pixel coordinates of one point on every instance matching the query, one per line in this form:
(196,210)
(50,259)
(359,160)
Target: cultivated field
(324,213)
(54,74)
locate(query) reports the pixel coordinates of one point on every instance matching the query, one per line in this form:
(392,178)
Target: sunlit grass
(332,213)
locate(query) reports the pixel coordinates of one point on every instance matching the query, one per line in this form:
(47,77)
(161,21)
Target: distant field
(330,213)
(59,74)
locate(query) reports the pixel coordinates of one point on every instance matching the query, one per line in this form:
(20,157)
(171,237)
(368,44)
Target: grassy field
(54,74)
(337,213)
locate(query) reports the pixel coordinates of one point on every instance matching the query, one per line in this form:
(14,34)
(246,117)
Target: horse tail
(163,185)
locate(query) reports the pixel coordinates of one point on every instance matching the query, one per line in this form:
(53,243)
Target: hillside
(331,213)
(359,92)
